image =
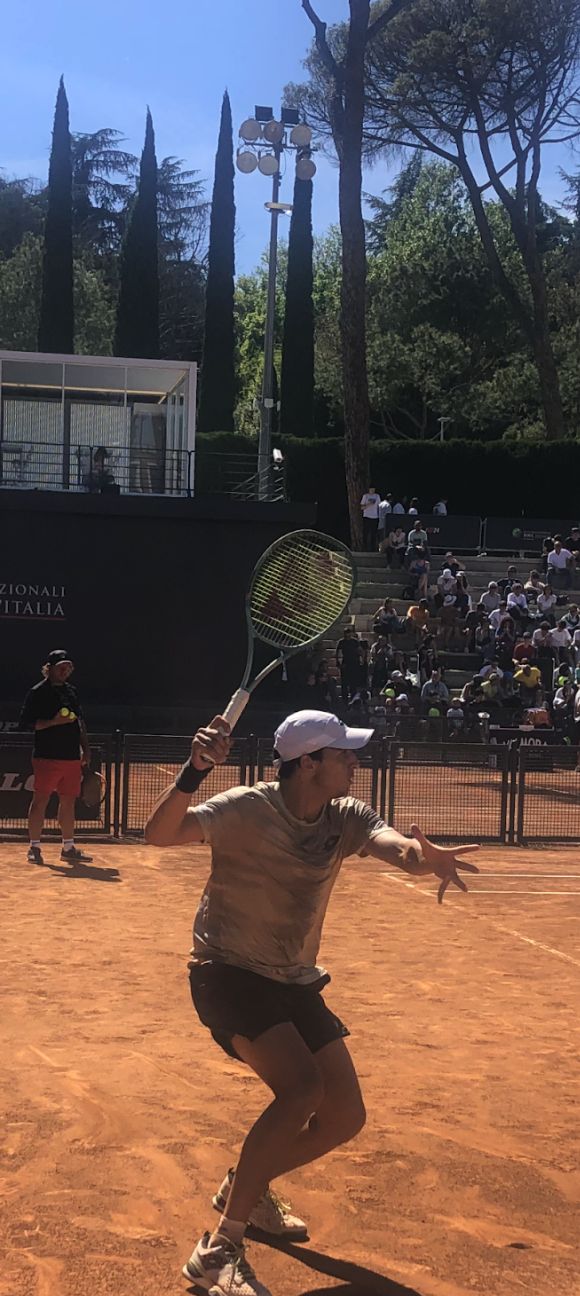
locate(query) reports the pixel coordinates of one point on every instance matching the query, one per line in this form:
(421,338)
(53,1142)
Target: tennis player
(276,852)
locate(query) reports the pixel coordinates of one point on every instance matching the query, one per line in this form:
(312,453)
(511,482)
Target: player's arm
(172,822)
(419,857)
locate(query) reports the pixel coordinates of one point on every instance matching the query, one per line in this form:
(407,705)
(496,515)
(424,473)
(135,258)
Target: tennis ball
(72,715)
(390,693)
(562,680)
(434,712)
(64,711)
(516,533)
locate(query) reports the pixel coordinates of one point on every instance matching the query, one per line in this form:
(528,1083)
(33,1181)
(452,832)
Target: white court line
(164,770)
(507,931)
(507,876)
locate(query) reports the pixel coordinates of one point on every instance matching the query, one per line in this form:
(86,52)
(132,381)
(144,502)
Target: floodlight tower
(265,140)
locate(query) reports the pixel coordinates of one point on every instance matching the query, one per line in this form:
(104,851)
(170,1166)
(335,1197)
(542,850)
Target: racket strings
(299,591)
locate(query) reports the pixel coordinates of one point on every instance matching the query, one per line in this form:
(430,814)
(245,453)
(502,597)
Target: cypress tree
(297,376)
(137,326)
(216,406)
(56,322)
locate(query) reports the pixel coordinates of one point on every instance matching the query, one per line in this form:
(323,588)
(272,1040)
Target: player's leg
(69,789)
(284,1062)
(36,816)
(340,1116)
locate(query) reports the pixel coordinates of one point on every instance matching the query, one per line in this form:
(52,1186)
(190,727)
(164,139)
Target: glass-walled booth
(86,423)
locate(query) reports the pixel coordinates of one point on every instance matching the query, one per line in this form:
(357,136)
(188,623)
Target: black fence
(457,791)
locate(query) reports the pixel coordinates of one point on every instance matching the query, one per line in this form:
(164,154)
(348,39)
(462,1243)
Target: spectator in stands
(394,547)
(322,692)
(434,691)
(507,582)
(525,649)
(528,679)
(474,618)
(413,508)
(386,621)
(380,660)
(417,538)
(100,479)
(495,618)
(418,618)
(440,508)
(491,668)
(455,720)
(563,711)
(446,585)
(491,690)
(399,505)
(505,642)
(518,604)
(546,603)
(572,542)
(471,692)
(463,595)
(491,599)
(533,587)
(370,504)
(576,646)
(545,653)
(419,573)
(561,641)
(485,640)
(385,510)
(452,563)
(572,618)
(560,563)
(448,619)
(348,662)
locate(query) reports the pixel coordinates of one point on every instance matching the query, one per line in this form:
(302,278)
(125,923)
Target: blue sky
(118,56)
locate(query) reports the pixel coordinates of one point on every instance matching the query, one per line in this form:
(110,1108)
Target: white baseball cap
(308,731)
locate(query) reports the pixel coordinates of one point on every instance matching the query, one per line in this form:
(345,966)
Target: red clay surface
(121,1115)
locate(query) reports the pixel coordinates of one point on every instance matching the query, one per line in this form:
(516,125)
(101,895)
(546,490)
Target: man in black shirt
(348,660)
(52,710)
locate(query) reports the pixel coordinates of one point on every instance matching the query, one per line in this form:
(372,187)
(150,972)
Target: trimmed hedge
(488,479)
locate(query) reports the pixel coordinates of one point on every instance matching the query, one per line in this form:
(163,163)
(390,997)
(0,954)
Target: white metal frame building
(57,410)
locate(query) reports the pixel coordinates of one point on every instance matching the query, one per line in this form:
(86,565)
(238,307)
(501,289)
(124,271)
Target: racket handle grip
(236,706)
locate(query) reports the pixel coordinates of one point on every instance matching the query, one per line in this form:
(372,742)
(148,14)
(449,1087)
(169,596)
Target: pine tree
(297,377)
(137,327)
(216,408)
(56,323)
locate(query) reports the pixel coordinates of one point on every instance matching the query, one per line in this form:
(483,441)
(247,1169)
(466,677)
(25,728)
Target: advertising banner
(524,534)
(16,779)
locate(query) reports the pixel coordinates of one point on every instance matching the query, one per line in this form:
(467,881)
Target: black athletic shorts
(233,1001)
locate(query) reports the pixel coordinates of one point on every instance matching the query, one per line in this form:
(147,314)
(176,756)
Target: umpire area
(121,1115)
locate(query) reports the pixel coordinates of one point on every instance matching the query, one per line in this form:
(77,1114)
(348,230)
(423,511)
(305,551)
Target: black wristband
(189,778)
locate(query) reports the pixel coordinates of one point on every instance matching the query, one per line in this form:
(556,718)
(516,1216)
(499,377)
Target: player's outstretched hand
(444,862)
(211,746)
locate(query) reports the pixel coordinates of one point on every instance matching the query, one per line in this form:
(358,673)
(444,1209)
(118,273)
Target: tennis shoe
(222,1268)
(34,855)
(75,856)
(270,1215)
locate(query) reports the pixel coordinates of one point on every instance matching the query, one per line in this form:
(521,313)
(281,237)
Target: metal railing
(139,470)
(459,791)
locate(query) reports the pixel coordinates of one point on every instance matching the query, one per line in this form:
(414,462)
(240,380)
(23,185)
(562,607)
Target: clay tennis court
(122,1115)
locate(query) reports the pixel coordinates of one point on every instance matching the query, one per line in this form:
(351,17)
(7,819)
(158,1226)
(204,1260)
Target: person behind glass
(348,662)
(99,478)
(370,504)
(61,748)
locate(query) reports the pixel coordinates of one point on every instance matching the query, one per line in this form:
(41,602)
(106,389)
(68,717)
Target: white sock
(232,1229)
(68,844)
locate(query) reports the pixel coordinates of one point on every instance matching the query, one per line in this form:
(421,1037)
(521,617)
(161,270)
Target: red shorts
(62,776)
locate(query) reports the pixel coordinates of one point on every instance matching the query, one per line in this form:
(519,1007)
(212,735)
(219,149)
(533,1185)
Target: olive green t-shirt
(271,879)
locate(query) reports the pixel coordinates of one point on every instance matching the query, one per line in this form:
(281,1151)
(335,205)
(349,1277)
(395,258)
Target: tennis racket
(300,586)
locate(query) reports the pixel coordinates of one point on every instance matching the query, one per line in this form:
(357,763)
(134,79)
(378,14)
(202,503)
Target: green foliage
(20,289)
(56,323)
(218,383)
(137,324)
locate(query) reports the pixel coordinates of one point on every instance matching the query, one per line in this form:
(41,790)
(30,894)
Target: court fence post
(124,785)
(392,768)
(117,744)
(512,777)
(522,754)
